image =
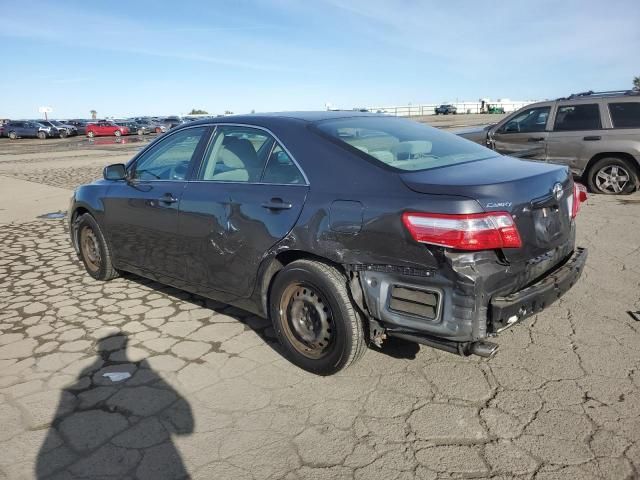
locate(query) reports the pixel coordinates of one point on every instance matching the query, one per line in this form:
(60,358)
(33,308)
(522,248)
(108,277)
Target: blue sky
(165,57)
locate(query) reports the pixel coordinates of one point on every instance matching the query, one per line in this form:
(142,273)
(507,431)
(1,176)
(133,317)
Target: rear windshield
(402,144)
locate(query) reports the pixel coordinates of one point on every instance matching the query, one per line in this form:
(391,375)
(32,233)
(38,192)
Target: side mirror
(117,171)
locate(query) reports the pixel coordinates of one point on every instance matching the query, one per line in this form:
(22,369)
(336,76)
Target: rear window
(401,144)
(625,115)
(578,117)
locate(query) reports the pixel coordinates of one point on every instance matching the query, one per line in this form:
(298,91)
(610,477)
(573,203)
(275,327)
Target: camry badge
(557,191)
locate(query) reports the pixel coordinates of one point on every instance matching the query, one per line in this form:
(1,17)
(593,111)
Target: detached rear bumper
(507,310)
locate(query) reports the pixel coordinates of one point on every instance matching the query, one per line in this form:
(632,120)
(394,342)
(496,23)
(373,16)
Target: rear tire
(612,176)
(91,134)
(314,318)
(12,135)
(93,248)
(117,133)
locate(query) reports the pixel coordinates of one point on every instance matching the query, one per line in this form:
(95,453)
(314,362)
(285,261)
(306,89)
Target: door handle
(592,138)
(276,204)
(168,198)
(535,139)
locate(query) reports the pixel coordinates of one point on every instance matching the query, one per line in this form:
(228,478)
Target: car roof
(285,117)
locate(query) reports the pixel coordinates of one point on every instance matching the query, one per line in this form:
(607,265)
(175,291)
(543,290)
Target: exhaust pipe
(483,349)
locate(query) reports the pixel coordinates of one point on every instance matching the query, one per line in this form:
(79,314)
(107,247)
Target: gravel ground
(209,395)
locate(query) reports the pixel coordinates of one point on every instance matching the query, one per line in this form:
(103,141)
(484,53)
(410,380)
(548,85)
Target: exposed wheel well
(634,163)
(281,260)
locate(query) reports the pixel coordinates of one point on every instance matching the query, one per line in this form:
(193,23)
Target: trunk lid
(537,195)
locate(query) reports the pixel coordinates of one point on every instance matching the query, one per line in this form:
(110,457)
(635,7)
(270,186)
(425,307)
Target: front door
(142,212)
(248,195)
(524,135)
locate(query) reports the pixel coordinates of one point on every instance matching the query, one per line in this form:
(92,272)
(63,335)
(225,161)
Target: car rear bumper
(507,310)
(471,296)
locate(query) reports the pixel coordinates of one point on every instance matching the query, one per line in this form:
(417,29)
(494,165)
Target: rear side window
(625,115)
(577,117)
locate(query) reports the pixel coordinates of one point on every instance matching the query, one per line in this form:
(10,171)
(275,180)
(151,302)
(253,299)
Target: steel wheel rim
(307,320)
(90,249)
(612,179)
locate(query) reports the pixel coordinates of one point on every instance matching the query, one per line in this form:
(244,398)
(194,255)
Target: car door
(247,196)
(577,131)
(524,134)
(142,211)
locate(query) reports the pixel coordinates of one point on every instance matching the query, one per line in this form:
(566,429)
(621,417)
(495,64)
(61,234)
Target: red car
(104,128)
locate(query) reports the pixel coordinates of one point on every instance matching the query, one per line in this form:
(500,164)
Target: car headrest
(410,149)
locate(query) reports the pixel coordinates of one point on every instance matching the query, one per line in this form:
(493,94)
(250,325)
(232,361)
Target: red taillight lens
(476,231)
(579,196)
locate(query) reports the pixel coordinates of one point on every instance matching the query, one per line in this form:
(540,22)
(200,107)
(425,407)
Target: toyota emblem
(557,191)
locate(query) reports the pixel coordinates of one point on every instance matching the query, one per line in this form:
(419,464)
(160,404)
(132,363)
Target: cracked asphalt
(208,395)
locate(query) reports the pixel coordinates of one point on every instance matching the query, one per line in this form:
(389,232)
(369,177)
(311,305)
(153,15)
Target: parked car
(80,125)
(343,228)
(446,109)
(26,128)
(60,129)
(596,134)
(150,125)
(105,127)
(133,127)
(171,122)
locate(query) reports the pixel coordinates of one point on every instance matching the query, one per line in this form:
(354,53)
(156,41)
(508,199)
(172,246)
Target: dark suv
(446,109)
(596,133)
(25,128)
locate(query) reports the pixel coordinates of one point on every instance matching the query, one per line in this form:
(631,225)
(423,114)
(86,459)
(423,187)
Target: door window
(577,117)
(281,169)
(531,120)
(625,114)
(236,154)
(170,158)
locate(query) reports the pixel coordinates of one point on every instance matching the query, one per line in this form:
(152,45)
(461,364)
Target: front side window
(531,120)
(401,144)
(625,114)
(577,117)
(170,158)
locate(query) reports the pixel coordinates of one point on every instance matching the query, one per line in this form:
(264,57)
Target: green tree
(195,111)
(636,83)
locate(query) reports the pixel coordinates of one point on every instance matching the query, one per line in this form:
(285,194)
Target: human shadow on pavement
(116,421)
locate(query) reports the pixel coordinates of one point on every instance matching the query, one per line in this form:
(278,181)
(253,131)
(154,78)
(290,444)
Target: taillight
(579,196)
(475,231)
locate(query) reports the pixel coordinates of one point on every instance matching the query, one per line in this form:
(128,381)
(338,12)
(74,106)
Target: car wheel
(314,318)
(12,135)
(117,133)
(94,251)
(63,134)
(91,134)
(158,130)
(140,131)
(42,135)
(613,176)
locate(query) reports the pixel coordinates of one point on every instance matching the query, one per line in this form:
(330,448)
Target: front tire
(42,135)
(314,318)
(91,134)
(93,248)
(13,135)
(117,133)
(612,176)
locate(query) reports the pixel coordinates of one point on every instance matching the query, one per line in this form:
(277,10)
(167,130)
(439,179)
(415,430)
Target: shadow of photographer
(116,421)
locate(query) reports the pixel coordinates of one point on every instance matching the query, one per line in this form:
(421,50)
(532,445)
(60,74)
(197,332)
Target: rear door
(576,135)
(524,134)
(142,212)
(248,195)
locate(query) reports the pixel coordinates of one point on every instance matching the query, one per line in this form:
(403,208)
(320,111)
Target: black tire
(86,229)
(63,134)
(347,342)
(91,134)
(140,131)
(612,168)
(42,135)
(12,135)
(117,133)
